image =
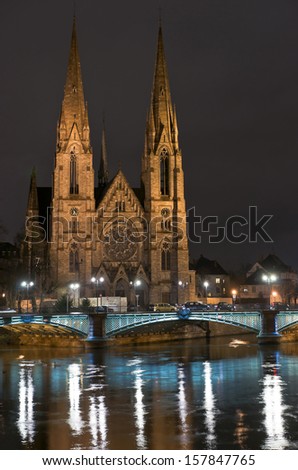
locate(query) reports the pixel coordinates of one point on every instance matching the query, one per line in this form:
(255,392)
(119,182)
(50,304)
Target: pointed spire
(175,127)
(73,106)
(33,197)
(161,114)
(86,128)
(103,174)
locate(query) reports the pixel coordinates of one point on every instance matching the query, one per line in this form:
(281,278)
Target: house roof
(208,266)
(273,263)
(7,246)
(270,264)
(256,277)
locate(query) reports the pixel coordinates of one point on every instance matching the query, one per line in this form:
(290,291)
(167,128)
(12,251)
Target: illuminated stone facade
(133,238)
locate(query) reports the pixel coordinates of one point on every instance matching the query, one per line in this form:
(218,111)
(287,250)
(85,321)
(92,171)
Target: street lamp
(75,288)
(269,278)
(97,281)
(137,283)
(206,284)
(183,286)
(274,294)
(234,296)
(27,285)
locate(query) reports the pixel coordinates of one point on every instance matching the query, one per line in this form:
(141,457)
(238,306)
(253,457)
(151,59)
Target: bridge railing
(116,322)
(249,320)
(121,322)
(286,319)
(78,322)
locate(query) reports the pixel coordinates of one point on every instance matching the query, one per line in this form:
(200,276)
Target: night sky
(233,69)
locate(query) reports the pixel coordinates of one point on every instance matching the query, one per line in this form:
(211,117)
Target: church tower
(73,182)
(163,182)
(133,239)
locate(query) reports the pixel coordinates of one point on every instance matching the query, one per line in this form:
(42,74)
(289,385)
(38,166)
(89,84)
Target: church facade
(89,226)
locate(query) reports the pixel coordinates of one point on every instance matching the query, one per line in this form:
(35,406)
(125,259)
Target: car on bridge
(279,306)
(162,307)
(196,306)
(224,307)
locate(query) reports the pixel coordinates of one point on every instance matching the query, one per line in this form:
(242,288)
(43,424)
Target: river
(175,395)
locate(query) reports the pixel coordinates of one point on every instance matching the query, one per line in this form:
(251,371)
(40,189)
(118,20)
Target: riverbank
(61,338)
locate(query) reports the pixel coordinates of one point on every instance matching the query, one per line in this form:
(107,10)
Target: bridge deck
(116,323)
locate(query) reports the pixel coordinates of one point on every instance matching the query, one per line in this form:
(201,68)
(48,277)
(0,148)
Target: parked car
(163,307)
(279,306)
(196,306)
(103,309)
(224,307)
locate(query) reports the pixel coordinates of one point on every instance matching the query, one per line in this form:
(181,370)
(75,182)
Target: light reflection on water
(25,420)
(274,408)
(153,397)
(139,409)
(209,406)
(183,408)
(74,394)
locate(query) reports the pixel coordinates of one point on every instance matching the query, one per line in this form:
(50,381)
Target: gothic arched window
(165,221)
(73,259)
(166,256)
(73,180)
(164,173)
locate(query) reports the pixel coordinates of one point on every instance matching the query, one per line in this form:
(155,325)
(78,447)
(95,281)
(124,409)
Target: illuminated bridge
(92,326)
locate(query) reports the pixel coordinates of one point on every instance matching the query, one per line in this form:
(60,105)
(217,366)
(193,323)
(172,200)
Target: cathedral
(88,226)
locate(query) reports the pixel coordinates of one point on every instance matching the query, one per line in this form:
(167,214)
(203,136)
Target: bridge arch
(118,323)
(72,323)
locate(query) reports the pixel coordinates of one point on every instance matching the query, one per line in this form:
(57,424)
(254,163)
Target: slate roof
(207,266)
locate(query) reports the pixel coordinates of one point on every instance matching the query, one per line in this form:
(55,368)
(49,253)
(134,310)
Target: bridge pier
(97,331)
(269,333)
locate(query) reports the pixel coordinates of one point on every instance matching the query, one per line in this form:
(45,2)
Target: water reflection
(158,397)
(98,410)
(209,406)
(25,420)
(98,422)
(139,409)
(274,408)
(241,431)
(74,393)
(183,407)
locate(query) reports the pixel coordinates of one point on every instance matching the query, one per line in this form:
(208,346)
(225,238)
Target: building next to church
(268,280)
(212,279)
(91,226)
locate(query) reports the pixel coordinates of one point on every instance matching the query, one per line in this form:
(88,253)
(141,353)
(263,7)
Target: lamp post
(27,285)
(206,284)
(75,288)
(269,278)
(97,281)
(137,283)
(182,286)
(234,296)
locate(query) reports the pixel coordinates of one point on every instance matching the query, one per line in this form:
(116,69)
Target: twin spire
(103,174)
(161,122)
(74,111)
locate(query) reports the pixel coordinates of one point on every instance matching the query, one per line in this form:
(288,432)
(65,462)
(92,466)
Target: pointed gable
(141,274)
(121,274)
(120,198)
